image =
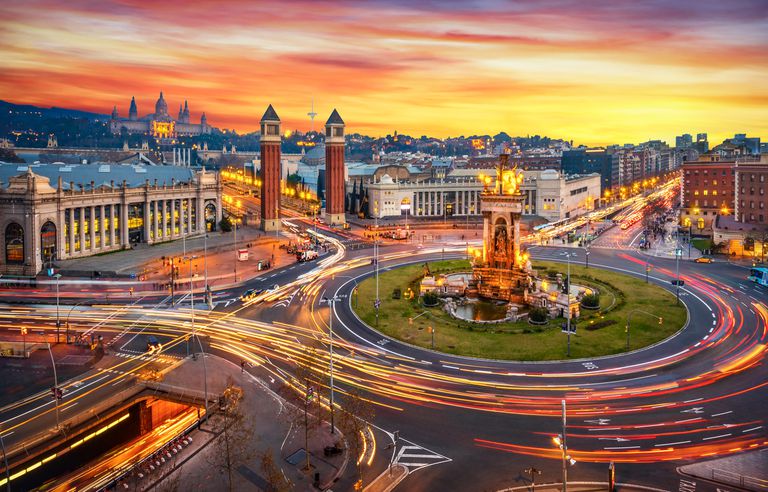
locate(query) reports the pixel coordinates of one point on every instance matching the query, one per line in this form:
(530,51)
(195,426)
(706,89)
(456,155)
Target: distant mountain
(53,112)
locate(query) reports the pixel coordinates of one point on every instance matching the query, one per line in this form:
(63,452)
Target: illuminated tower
(312,115)
(503,270)
(270,170)
(334,169)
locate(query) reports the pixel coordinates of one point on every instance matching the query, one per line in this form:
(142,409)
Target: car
(704,259)
(153,344)
(250,294)
(274,288)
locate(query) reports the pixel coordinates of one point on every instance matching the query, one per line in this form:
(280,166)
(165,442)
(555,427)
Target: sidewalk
(271,433)
(584,487)
(748,470)
(665,248)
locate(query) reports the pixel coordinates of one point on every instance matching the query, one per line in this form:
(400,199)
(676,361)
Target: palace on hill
(159,124)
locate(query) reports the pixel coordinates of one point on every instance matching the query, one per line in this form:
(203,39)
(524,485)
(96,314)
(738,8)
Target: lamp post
(7,469)
(377,302)
(678,254)
(647,270)
(568,294)
(58,321)
(586,255)
(629,316)
(332,309)
(55,385)
(560,441)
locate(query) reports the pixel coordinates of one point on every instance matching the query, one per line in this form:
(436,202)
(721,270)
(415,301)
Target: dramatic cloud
(597,72)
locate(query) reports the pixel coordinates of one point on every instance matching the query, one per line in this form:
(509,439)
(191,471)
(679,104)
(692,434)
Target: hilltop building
(160,124)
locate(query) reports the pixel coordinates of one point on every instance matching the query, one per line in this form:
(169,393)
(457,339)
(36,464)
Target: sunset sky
(597,72)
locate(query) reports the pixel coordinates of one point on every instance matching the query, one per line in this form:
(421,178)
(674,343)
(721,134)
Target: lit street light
(568,293)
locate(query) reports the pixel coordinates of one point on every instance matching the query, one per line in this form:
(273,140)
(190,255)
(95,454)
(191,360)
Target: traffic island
(598,332)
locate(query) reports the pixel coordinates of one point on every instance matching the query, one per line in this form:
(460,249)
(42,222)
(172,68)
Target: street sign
(377,303)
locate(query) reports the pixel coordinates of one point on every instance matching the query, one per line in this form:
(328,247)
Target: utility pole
(55,385)
(533,472)
(377,303)
(678,254)
(647,270)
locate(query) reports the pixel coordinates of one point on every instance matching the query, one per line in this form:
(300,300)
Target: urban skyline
(611,74)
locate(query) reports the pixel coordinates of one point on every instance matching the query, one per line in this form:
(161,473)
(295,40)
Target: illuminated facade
(334,170)
(129,204)
(503,270)
(160,124)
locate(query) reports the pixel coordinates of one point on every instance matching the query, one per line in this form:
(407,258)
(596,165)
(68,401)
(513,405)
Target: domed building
(160,124)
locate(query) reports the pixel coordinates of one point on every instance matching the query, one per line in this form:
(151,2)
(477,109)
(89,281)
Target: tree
(273,475)
(225,225)
(232,445)
(356,412)
(303,395)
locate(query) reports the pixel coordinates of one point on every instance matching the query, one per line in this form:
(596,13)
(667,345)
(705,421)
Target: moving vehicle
(242,255)
(153,344)
(704,259)
(250,294)
(307,255)
(759,276)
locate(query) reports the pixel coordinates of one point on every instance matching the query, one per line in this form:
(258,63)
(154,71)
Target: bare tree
(232,446)
(355,414)
(302,395)
(273,475)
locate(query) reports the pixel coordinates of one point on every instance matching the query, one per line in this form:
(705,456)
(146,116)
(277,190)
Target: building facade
(270,170)
(45,218)
(547,194)
(160,124)
(707,188)
(335,174)
(751,189)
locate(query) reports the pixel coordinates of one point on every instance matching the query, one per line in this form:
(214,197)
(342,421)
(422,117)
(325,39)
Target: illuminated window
(706,192)
(714,192)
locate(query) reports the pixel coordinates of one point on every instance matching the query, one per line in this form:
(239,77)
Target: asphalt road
(469,424)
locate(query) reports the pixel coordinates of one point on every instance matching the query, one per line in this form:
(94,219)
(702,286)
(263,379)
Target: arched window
(210,217)
(700,223)
(48,242)
(14,244)
(687,222)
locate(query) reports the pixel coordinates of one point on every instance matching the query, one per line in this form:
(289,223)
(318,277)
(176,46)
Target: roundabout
(598,332)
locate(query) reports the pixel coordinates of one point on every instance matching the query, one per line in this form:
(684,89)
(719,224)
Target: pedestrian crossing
(416,457)
(134,354)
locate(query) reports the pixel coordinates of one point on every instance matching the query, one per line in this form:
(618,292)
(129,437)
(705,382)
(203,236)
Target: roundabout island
(405,314)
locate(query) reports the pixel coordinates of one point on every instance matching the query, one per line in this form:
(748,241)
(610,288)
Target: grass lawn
(619,295)
(702,244)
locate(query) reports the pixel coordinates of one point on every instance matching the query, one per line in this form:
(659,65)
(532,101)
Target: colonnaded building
(52,212)
(548,194)
(159,124)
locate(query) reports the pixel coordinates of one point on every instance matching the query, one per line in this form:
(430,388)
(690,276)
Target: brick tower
(270,170)
(334,170)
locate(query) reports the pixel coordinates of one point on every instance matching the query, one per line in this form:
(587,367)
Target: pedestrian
(242,366)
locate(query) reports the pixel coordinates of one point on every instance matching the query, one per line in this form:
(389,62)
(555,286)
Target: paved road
(475,424)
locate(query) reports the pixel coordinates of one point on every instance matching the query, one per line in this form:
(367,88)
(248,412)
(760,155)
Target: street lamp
(560,441)
(678,254)
(586,255)
(58,322)
(629,316)
(377,302)
(332,309)
(55,385)
(568,293)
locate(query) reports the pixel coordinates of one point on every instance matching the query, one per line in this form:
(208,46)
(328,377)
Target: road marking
(694,400)
(715,437)
(623,447)
(671,444)
(687,420)
(450,367)
(752,429)
(722,413)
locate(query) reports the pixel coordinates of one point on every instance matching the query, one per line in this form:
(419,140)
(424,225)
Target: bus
(759,276)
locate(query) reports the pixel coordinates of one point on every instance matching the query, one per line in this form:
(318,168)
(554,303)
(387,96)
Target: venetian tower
(334,170)
(503,270)
(270,170)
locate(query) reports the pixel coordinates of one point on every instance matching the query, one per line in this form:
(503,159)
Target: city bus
(759,276)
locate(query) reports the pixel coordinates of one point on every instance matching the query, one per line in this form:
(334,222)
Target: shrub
(600,324)
(538,315)
(430,299)
(591,301)
(396,293)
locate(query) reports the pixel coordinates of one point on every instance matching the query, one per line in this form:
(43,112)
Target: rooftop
(100,173)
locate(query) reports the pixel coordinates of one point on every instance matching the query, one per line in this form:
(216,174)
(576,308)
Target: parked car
(704,259)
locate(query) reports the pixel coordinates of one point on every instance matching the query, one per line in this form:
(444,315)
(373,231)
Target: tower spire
(312,115)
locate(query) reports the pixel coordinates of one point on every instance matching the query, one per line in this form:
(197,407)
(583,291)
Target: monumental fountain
(502,285)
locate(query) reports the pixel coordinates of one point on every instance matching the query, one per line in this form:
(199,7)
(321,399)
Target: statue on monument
(501,240)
